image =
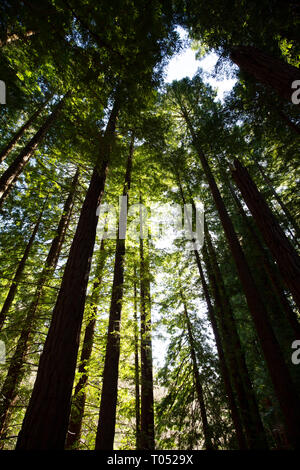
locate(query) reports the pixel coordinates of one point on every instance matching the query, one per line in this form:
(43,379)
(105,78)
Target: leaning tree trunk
(231,379)
(16,370)
(15,139)
(46,420)
(283,206)
(223,366)
(18,274)
(270,268)
(10,176)
(79,397)
(236,419)
(109,393)
(283,252)
(278,369)
(254,427)
(268,70)
(199,390)
(147,399)
(248,406)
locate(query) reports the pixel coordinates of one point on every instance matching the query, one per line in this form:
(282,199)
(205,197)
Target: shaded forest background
(88,118)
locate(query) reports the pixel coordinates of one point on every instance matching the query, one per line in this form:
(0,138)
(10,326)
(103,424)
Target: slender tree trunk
(227,376)
(109,394)
(147,399)
(280,247)
(79,397)
(255,431)
(270,269)
(12,143)
(223,366)
(284,208)
(249,409)
(279,372)
(199,390)
(136,367)
(16,371)
(46,420)
(18,274)
(10,176)
(272,72)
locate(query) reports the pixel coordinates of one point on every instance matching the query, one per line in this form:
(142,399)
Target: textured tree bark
(10,176)
(252,421)
(199,390)
(18,274)
(229,387)
(16,371)
(278,369)
(280,247)
(109,394)
(268,70)
(12,143)
(147,399)
(79,396)
(231,380)
(270,269)
(46,420)
(283,206)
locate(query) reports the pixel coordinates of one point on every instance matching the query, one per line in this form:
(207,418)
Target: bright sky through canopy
(185,64)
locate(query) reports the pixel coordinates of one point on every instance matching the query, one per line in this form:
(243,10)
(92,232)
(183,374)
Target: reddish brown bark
(266,69)
(283,252)
(270,268)
(252,422)
(46,420)
(10,176)
(199,390)
(12,143)
(16,371)
(278,369)
(79,397)
(109,394)
(18,274)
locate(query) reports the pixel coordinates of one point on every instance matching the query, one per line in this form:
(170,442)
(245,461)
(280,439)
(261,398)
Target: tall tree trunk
(270,268)
(16,371)
(147,399)
(272,72)
(284,208)
(249,409)
(79,397)
(253,424)
(280,247)
(46,420)
(109,394)
(223,366)
(136,367)
(12,143)
(279,372)
(231,380)
(199,390)
(18,274)
(10,176)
